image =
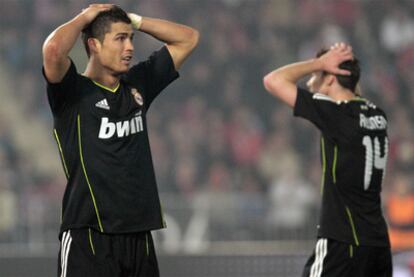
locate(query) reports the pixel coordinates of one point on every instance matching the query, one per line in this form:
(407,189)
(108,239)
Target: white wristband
(136,20)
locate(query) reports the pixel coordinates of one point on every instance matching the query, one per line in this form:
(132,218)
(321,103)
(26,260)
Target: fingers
(338,53)
(342,72)
(101,6)
(341,46)
(94,9)
(344,49)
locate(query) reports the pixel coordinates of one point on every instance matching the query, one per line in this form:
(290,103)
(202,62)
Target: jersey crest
(137,96)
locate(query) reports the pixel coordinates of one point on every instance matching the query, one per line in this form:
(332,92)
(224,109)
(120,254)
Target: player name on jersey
(121,128)
(377,122)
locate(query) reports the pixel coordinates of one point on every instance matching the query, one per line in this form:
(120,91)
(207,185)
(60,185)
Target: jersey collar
(107,88)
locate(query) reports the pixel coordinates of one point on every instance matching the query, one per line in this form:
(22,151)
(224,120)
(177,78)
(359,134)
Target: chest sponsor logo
(103,104)
(121,128)
(137,96)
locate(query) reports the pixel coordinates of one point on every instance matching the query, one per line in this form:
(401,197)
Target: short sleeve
(319,109)
(157,72)
(59,94)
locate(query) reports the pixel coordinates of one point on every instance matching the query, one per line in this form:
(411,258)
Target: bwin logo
(122,128)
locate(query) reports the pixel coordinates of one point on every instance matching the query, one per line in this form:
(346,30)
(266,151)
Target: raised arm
(180,39)
(58,44)
(282,81)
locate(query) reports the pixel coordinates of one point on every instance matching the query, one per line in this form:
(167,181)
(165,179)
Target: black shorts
(86,252)
(333,258)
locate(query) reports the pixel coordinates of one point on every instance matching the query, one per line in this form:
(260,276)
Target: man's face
(116,50)
(315,83)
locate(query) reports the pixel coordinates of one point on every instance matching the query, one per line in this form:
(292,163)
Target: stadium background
(239,177)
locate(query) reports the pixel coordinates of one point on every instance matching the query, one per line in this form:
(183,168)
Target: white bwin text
(120,128)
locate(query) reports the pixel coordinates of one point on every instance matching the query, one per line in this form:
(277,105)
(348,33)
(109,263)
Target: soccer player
(352,234)
(111,201)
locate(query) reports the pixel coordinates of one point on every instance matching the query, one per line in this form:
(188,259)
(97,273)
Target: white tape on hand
(136,20)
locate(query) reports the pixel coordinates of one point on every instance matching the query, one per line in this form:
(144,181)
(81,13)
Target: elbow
(267,82)
(272,82)
(278,86)
(193,38)
(51,51)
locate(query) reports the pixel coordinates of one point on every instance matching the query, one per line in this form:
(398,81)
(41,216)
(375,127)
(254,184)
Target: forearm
(180,39)
(282,81)
(292,73)
(169,32)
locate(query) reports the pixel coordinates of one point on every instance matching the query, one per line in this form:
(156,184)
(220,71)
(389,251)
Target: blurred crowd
(242,167)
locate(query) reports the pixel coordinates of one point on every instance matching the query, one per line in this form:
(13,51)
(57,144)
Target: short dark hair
(347,81)
(102,25)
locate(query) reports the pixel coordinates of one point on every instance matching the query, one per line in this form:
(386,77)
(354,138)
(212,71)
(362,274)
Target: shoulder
(367,106)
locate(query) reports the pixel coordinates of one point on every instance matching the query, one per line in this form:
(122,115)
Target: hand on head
(94,9)
(337,54)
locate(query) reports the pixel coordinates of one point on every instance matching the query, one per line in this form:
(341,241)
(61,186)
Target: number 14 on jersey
(373,157)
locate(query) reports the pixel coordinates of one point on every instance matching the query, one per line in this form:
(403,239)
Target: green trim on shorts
(91,242)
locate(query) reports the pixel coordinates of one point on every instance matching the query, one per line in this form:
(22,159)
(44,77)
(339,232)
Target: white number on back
(373,158)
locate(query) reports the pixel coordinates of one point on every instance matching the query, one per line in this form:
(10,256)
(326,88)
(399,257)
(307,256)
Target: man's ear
(330,79)
(94,45)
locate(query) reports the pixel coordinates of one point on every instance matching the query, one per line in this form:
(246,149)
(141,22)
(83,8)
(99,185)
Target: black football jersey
(102,138)
(354,147)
